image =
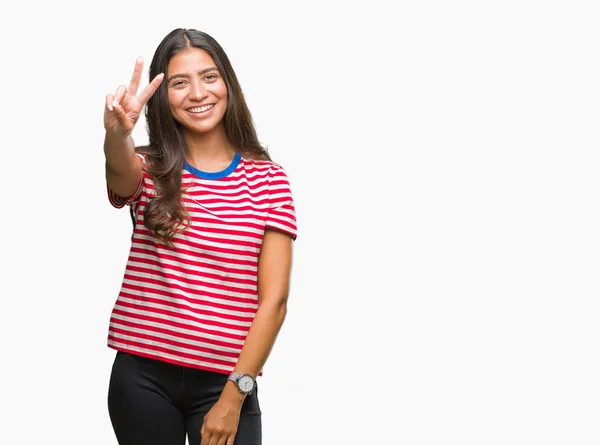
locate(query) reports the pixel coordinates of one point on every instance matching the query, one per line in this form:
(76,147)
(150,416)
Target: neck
(209,151)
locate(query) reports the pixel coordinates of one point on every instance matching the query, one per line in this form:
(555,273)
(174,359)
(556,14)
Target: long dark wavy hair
(166,151)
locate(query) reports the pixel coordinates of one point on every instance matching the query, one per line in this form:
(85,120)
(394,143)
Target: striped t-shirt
(193,304)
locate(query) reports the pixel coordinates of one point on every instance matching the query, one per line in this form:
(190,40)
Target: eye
(211,77)
(178,83)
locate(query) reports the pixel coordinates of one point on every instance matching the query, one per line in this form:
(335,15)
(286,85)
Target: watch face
(246,383)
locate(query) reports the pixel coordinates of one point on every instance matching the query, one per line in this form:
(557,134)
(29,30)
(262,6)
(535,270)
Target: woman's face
(197,92)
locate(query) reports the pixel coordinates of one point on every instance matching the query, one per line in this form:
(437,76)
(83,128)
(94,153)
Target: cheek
(174,98)
(225,98)
(221,91)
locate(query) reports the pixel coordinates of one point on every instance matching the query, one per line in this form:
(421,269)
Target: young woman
(205,287)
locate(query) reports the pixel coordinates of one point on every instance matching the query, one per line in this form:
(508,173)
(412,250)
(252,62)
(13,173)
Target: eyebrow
(204,71)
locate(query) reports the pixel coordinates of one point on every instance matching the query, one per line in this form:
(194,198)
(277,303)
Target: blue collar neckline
(214,175)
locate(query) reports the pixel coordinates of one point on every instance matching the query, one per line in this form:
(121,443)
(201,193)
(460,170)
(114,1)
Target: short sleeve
(119,201)
(282,212)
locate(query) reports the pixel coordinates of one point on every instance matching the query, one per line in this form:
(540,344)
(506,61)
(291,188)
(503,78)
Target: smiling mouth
(202,109)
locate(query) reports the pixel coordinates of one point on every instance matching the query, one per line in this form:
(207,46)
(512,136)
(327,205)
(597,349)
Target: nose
(197,91)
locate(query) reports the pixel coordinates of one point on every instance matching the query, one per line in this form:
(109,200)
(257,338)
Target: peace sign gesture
(123,109)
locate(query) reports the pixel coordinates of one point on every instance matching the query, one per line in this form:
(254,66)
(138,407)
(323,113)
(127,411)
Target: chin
(202,128)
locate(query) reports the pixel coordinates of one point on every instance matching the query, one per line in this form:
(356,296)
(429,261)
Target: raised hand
(123,109)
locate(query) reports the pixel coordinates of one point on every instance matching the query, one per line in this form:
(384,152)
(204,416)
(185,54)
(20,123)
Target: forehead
(190,60)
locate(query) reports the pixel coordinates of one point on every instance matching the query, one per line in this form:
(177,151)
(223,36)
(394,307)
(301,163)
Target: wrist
(113,137)
(231,393)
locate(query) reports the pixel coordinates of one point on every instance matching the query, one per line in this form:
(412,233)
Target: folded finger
(214,440)
(109,99)
(121,116)
(205,437)
(121,91)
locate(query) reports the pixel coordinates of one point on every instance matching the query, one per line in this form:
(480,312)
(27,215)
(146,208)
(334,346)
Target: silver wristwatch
(244,382)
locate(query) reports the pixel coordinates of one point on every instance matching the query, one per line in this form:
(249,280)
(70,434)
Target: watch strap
(234,376)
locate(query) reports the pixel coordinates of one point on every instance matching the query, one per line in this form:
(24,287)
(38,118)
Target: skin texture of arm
(123,166)
(274,269)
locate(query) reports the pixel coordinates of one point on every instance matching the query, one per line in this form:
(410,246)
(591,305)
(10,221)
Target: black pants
(156,403)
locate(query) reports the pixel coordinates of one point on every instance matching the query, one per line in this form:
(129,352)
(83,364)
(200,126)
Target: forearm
(119,152)
(259,342)
(261,337)
(274,266)
(123,169)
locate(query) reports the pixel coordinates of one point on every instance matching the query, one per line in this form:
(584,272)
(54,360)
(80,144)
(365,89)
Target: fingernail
(114,103)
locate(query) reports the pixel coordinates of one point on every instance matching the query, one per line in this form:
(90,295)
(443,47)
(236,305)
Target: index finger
(151,88)
(134,84)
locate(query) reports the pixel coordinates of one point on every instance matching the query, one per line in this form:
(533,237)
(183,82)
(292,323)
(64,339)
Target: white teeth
(201,109)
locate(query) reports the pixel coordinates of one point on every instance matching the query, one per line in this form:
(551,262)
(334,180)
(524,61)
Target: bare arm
(274,266)
(123,166)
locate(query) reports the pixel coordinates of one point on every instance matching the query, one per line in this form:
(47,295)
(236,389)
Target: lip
(202,114)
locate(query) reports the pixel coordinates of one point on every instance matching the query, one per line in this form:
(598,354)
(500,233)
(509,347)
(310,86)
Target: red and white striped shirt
(193,304)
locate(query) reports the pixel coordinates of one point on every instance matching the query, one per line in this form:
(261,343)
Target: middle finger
(214,440)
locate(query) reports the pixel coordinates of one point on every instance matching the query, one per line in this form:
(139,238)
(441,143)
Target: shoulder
(264,167)
(271,177)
